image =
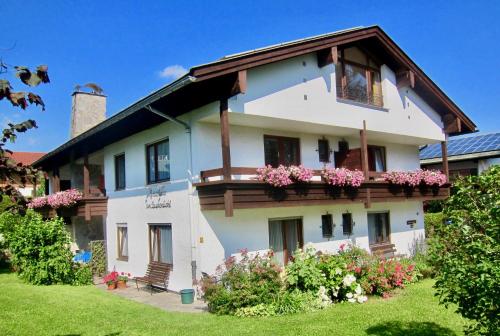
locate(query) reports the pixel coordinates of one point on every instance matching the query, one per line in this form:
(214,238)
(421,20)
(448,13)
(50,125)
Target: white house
(171,178)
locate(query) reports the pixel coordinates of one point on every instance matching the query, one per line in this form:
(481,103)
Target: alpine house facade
(179,166)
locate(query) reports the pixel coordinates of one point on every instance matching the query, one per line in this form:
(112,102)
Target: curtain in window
(276,241)
(151,164)
(378,228)
(163,161)
(123,236)
(372,235)
(166,244)
(292,239)
(379,160)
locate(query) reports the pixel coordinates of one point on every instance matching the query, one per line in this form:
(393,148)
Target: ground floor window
(379,229)
(285,236)
(122,234)
(160,243)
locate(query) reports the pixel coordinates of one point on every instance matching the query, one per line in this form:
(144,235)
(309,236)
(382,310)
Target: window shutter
(347,224)
(324,150)
(327,225)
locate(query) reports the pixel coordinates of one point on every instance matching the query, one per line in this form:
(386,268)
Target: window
(158,162)
(285,237)
(281,151)
(376,159)
(347,224)
(160,243)
(122,241)
(378,228)
(327,225)
(358,77)
(324,150)
(120,172)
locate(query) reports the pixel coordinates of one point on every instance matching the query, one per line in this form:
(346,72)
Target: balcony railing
(360,96)
(244,191)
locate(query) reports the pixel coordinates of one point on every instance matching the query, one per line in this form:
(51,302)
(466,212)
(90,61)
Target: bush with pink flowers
(66,198)
(343,177)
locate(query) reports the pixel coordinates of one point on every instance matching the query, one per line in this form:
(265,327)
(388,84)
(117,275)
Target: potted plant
(110,280)
(122,280)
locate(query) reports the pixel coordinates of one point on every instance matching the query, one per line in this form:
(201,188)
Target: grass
(66,310)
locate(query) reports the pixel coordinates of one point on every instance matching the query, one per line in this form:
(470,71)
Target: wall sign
(157,198)
(411,222)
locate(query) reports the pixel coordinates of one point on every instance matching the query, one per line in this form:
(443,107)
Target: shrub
(304,273)
(244,283)
(466,251)
(40,249)
(431,222)
(82,275)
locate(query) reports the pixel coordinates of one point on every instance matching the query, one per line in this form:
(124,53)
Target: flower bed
(258,286)
(416,177)
(66,198)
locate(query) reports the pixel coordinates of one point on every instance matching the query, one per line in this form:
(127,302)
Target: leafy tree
(10,171)
(466,251)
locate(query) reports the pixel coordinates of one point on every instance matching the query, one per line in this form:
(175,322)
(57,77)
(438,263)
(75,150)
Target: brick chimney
(87,110)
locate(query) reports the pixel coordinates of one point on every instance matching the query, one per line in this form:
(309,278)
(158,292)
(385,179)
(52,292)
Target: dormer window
(358,77)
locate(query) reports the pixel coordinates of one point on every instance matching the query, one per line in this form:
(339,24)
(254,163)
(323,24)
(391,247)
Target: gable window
(122,241)
(376,158)
(281,151)
(358,77)
(120,172)
(158,161)
(160,243)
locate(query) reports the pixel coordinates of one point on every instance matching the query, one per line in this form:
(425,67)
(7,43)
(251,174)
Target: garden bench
(157,274)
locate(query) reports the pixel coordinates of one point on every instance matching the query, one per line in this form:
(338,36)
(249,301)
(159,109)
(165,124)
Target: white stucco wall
(297,89)
(225,236)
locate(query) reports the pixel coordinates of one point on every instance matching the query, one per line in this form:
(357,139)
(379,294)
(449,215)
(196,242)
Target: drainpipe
(187,128)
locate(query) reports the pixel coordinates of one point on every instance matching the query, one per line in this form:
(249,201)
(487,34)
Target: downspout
(187,128)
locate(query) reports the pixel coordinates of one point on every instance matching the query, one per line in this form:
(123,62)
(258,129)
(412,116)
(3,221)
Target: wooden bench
(157,274)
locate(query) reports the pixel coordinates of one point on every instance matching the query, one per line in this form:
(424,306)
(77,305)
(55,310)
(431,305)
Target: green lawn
(65,310)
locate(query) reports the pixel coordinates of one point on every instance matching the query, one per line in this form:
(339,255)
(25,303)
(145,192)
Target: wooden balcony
(244,191)
(94,204)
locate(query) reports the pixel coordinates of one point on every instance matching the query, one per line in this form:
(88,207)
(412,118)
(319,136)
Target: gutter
(187,128)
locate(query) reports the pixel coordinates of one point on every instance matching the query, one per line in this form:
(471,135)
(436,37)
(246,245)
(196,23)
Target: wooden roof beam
(327,56)
(451,124)
(240,83)
(405,78)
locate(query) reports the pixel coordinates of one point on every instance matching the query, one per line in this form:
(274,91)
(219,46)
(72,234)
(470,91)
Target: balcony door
(160,243)
(379,228)
(285,236)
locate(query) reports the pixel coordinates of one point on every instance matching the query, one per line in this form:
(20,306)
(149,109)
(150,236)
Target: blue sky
(125,46)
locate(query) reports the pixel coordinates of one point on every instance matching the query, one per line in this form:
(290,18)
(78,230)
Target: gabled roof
(216,80)
(25,158)
(487,144)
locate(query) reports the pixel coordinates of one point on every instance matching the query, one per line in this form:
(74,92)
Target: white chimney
(87,110)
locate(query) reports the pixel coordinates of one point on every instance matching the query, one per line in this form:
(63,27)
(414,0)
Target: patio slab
(164,300)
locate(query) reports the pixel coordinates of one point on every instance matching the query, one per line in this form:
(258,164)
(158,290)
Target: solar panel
(461,146)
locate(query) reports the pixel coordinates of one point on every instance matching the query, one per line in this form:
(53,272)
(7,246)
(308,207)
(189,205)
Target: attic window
(358,77)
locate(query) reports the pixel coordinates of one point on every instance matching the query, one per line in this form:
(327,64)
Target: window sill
(122,258)
(355,103)
(151,183)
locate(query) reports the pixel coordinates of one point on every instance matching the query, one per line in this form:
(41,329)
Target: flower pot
(112,286)
(122,284)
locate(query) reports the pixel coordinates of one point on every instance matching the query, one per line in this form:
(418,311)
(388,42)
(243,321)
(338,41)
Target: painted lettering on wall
(157,198)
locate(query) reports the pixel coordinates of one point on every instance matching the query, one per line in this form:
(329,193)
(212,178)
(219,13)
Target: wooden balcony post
(364,150)
(56,181)
(86,176)
(226,148)
(444,155)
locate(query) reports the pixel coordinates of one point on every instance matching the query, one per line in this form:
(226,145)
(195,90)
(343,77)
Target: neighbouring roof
(213,81)
(464,146)
(26,158)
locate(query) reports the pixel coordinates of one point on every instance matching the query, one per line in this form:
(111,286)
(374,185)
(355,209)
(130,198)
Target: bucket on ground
(187,296)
